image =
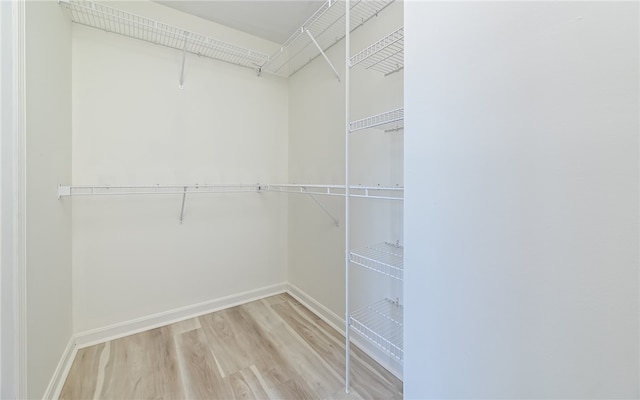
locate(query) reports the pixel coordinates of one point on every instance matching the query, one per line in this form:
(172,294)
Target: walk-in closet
(332,199)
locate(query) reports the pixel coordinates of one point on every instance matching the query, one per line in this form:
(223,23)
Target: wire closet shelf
(326,27)
(110,19)
(355,191)
(107,190)
(388,121)
(381,323)
(384,258)
(385,56)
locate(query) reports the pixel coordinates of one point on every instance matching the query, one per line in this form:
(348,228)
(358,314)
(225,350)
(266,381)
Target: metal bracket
(64,191)
(335,220)
(184,58)
(184,198)
(323,55)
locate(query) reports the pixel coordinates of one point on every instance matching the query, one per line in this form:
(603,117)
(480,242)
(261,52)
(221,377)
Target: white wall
(316,155)
(48,163)
(522,200)
(132,125)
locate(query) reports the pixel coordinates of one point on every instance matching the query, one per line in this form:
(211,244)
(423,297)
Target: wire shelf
(371,192)
(389,121)
(106,190)
(386,55)
(110,19)
(327,26)
(381,324)
(385,258)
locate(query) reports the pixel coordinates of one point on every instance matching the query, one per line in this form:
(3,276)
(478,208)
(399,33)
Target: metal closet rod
(375,192)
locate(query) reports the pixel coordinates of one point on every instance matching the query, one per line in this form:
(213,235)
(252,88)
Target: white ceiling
(273,20)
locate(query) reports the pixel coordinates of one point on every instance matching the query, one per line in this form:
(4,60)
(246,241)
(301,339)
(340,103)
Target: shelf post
(347,197)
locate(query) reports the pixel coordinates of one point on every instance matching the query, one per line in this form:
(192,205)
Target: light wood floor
(273,348)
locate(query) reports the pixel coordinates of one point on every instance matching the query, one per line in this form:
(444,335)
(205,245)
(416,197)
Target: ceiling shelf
(327,27)
(110,19)
(386,55)
(389,121)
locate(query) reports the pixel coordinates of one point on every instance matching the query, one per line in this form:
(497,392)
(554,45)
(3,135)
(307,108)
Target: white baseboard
(122,329)
(338,323)
(62,370)
(328,316)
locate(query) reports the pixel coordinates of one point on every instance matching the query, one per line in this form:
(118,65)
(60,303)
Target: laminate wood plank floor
(274,348)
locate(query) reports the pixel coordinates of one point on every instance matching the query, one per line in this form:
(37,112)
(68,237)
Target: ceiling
(272,20)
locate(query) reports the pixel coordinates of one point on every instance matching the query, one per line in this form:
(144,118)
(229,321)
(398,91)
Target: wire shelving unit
(385,56)
(381,324)
(113,20)
(388,121)
(384,258)
(320,32)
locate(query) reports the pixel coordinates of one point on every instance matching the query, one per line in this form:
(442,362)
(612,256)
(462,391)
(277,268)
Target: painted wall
(133,125)
(48,163)
(316,155)
(522,200)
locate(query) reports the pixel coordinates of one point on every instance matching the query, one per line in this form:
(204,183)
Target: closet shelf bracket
(184,59)
(319,203)
(323,54)
(184,198)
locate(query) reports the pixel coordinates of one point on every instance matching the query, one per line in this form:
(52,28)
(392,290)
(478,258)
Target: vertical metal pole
(347,39)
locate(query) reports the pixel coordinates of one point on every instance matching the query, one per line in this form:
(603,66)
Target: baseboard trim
(317,308)
(338,324)
(62,370)
(122,329)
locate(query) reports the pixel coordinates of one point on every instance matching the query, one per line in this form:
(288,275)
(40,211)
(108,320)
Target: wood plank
(199,369)
(248,384)
(143,366)
(81,381)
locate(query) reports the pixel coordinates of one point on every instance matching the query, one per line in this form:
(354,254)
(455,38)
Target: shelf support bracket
(184,58)
(314,198)
(323,54)
(184,198)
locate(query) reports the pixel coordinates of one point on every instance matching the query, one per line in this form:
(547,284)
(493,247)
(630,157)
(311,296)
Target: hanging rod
(374,192)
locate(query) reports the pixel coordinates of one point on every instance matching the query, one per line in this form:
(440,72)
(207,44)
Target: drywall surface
(48,225)
(317,155)
(133,125)
(521,200)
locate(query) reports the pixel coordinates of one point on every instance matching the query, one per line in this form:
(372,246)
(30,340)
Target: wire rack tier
(372,192)
(110,19)
(386,55)
(385,258)
(327,26)
(106,190)
(381,323)
(388,121)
